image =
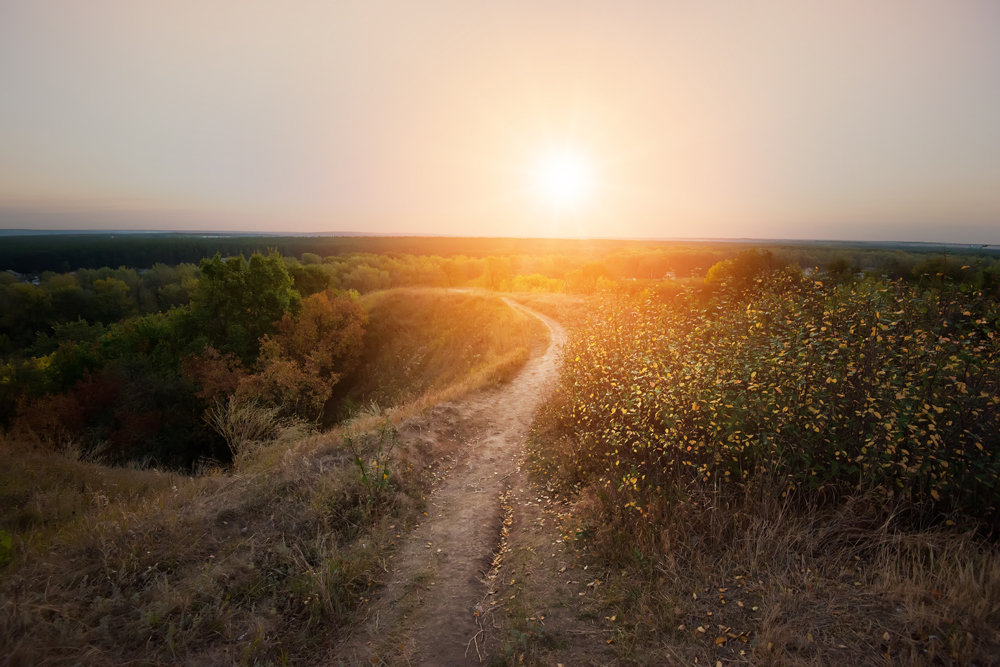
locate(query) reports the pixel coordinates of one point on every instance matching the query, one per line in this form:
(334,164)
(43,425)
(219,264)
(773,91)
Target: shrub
(242,423)
(308,355)
(871,386)
(372,454)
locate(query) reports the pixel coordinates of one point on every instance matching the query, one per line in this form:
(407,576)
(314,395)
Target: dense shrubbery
(829,388)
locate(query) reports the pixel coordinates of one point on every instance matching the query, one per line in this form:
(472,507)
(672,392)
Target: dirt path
(438,605)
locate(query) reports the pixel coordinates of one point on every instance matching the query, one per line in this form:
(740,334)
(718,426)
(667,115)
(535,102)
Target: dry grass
(691,572)
(757,579)
(570,310)
(262,563)
(42,493)
(224,567)
(423,346)
(243,424)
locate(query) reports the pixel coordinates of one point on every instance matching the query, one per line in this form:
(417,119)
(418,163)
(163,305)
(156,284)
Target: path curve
(434,608)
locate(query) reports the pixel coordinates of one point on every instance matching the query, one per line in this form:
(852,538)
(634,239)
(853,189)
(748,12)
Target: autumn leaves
(875,386)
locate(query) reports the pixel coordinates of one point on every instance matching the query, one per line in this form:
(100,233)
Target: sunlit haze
(564,180)
(774,119)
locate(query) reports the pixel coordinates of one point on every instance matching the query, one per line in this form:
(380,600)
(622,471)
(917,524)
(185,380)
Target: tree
(309,278)
(237,302)
(841,269)
(112,301)
(309,353)
(741,270)
(366,278)
(497,274)
(587,278)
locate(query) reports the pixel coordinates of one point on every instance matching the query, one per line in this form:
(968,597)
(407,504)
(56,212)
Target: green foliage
(535,282)
(137,389)
(366,278)
(742,270)
(238,301)
(874,386)
(591,277)
(310,278)
(111,302)
(34,315)
(106,358)
(497,273)
(372,454)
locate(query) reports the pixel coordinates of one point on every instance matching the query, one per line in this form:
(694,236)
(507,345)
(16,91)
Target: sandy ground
(449,591)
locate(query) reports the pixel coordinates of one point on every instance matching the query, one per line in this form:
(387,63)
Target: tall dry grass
(228,566)
(760,579)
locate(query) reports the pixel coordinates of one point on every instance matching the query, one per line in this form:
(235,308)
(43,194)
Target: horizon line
(21,231)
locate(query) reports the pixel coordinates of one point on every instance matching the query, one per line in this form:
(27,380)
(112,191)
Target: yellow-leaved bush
(872,386)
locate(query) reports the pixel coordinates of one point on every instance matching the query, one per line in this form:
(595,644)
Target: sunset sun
(563,179)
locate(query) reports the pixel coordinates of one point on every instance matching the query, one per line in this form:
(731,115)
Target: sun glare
(563,179)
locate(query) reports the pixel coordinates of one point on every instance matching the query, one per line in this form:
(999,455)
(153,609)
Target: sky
(761,119)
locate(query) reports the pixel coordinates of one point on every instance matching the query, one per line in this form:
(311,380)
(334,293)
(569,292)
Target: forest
(765,419)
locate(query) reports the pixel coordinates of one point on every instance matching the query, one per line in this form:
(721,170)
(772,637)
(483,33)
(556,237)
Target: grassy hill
(431,343)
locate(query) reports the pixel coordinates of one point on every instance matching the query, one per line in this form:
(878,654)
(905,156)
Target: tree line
(124,362)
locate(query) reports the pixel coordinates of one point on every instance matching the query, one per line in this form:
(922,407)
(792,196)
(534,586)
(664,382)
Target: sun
(563,179)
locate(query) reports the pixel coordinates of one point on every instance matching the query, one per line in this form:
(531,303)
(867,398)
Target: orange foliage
(214,373)
(298,365)
(308,355)
(48,421)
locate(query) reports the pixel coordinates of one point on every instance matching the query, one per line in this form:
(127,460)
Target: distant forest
(34,254)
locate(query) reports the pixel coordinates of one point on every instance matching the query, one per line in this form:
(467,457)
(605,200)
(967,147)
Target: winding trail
(435,608)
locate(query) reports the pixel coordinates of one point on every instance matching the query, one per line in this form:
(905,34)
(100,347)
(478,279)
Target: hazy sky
(854,119)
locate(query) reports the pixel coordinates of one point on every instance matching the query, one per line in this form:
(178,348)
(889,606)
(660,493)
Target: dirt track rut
(434,609)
